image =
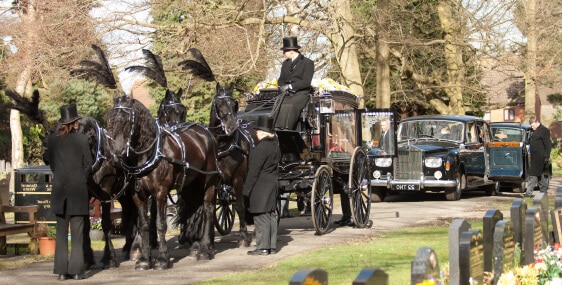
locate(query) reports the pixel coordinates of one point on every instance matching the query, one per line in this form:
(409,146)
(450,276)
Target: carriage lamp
(383,161)
(326,105)
(433,162)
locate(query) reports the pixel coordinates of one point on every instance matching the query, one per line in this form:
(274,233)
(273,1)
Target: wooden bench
(7,229)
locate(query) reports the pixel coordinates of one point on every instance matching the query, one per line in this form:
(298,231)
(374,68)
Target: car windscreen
(430,129)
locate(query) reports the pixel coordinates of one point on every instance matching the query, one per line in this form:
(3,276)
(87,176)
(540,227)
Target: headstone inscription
(489,223)
(371,276)
(504,249)
(309,276)
(532,235)
(471,258)
(457,227)
(425,266)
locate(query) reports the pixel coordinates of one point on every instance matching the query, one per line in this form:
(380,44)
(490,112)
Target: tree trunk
(531,107)
(453,58)
(342,37)
(382,60)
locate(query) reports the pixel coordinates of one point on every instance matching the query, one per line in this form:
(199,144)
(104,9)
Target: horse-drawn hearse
(324,155)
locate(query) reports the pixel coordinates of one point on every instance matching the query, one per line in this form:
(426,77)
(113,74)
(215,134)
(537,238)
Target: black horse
(235,142)
(158,160)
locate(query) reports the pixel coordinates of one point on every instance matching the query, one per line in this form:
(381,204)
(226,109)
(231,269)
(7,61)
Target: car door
(475,154)
(508,153)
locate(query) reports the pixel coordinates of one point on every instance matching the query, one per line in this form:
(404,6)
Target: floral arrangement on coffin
(547,270)
(321,85)
(95,224)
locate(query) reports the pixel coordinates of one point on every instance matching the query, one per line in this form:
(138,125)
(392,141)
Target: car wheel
(454,193)
(519,188)
(378,194)
(492,190)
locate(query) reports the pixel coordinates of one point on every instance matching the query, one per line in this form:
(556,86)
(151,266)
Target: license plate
(405,187)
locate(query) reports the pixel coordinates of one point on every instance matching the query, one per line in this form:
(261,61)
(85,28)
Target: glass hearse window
(432,129)
(341,134)
(506,134)
(378,132)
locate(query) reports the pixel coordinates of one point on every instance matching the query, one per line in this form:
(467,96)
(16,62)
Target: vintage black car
(438,153)
(510,156)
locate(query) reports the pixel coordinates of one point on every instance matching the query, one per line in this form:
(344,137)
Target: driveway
(296,235)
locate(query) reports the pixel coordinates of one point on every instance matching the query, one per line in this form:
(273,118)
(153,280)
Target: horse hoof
(142,265)
(204,256)
(162,265)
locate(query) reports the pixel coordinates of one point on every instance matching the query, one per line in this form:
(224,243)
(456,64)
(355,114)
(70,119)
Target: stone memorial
(541,202)
(517,211)
(457,227)
(558,198)
(371,276)
(556,217)
(471,265)
(532,236)
(503,249)
(425,266)
(489,223)
(309,276)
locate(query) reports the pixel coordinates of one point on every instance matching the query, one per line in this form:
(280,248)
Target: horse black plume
(154,68)
(26,106)
(99,70)
(198,67)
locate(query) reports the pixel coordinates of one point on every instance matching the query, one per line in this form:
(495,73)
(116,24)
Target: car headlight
(383,161)
(433,162)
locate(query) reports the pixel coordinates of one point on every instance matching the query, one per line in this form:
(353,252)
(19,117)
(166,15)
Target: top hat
(265,124)
(68,114)
(290,43)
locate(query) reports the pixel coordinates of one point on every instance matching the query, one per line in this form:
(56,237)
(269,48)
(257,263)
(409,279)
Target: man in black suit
(540,146)
(295,78)
(70,160)
(385,142)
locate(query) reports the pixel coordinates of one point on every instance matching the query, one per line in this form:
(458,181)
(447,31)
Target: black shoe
(78,276)
(528,195)
(259,252)
(272,251)
(286,216)
(344,221)
(61,277)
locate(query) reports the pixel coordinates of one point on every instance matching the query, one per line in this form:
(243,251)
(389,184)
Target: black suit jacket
(540,149)
(70,160)
(298,73)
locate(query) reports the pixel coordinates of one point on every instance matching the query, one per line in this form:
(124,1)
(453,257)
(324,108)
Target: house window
(508,114)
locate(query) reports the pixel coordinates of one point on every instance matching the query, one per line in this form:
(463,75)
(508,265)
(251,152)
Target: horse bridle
(229,101)
(172,104)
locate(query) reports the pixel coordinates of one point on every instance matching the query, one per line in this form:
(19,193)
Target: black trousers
(266,230)
(290,110)
(75,263)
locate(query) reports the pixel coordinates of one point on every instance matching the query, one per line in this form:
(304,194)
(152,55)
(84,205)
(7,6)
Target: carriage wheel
(322,200)
(224,210)
(360,188)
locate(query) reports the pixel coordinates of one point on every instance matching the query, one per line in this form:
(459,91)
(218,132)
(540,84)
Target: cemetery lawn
(391,251)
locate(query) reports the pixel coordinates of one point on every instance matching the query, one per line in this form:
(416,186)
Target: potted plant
(96,230)
(47,241)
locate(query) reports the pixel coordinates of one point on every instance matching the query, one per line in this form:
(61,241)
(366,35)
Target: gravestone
(425,266)
(457,227)
(504,249)
(371,276)
(489,223)
(471,264)
(517,211)
(558,198)
(532,235)
(556,218)
(541,202)
(309,276)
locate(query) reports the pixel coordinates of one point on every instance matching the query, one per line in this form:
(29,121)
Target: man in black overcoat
(70,160)
(540,146)
(295,78)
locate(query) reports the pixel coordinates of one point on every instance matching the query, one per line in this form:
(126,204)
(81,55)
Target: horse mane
(154,68)
(97,70)
(144,122)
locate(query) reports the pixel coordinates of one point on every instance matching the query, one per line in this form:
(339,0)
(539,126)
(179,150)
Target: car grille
(409,163)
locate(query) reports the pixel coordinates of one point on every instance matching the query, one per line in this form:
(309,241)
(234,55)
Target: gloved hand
(284,87)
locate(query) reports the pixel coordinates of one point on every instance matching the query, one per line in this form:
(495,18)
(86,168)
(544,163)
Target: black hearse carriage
(318,156)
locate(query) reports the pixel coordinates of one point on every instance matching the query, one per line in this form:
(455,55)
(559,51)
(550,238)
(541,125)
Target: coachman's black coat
(261,181)
(70,160)
(540,150)
(298,73)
